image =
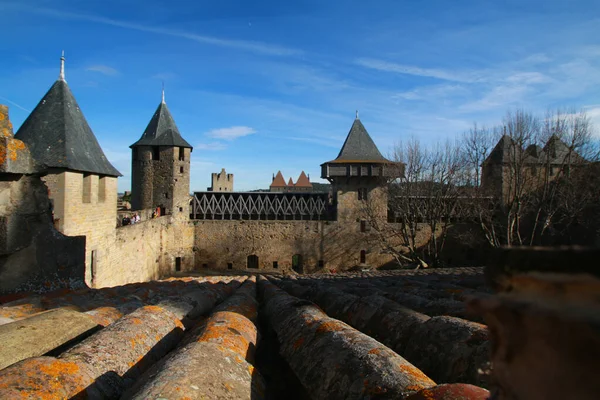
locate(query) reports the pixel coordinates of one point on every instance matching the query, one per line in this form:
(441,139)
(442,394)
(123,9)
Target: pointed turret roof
(303,181)
(504,151)
(359,147)
(290,182)
(558,151)
(278,181)
(58,135)
(161,130)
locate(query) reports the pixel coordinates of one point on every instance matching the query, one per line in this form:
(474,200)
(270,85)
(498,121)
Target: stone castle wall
(147,251)
(338,246)
(161,183)
(221,182)
(89,212)
(33,255)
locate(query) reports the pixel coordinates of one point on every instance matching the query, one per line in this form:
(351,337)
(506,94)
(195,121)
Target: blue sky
(261,86)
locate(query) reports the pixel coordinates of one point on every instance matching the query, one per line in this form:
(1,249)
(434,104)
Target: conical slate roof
(559,152)
(161,130)
(58,135)
(278,181)
(359,147)
(303,181)
(504,151)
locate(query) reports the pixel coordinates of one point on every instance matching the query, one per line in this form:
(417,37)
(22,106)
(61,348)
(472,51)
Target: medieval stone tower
(221,182)
(359,177)
(161,166)
(82,183)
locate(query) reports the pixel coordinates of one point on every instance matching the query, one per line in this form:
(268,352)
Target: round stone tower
(161,166)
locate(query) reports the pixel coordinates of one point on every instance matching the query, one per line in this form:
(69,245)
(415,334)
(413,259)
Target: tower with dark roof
(82,183)
(161,166)
(359,176)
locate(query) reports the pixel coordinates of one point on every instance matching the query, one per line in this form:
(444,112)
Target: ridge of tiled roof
(358,146)
(58,135)
(303,181)
(559,152)
(278,181)
(162,130)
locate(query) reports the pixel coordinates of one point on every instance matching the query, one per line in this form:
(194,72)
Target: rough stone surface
(455,391)
(333,360)
(542,349)
(215,359)
(37,335)
(447,349)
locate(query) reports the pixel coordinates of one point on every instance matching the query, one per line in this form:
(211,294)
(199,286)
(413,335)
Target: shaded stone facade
(221,182)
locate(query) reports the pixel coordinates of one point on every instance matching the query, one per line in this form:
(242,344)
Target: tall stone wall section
(33,255)
(221,182)
(86,215)
(142,178)
(321,244)
(146,251)
(162,182)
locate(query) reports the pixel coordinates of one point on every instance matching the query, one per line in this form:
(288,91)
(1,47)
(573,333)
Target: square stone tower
(81,182)
(221,182)
(359,177)
(161,167)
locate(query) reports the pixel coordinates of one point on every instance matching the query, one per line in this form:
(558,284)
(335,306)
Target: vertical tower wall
(142,178)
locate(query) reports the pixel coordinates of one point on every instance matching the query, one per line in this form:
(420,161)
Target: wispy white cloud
(103,69)
(252,46)
(231,133)
(211,146)
(457,76)
(15,104)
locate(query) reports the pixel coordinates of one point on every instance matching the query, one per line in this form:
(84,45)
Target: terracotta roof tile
(278,181)
(303,181)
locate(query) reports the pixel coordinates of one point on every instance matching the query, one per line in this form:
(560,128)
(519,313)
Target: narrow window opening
(297,262)
(363,256)
(275,265)
(181,154)
(93,261)
(321,263)
(87,188)
(181,170)
(166,195)
(205,266)
(178,264)
(156,153)
(363,225)
(180,209)
(102,189)
(229,265)
(252,261)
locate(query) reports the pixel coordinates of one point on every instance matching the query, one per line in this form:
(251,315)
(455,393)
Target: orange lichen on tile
(42,378)
(330,326)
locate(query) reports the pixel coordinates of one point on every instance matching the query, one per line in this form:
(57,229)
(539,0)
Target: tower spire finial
(163,92)
(356,114)
(61,76)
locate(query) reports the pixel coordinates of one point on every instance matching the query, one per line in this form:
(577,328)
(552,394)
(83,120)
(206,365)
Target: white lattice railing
(261,205)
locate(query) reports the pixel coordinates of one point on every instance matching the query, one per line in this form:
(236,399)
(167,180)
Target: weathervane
(61,76)
(356,114)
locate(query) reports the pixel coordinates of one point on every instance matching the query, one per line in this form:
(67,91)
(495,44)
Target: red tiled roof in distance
(278,181)
(303,181)
(290,182)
